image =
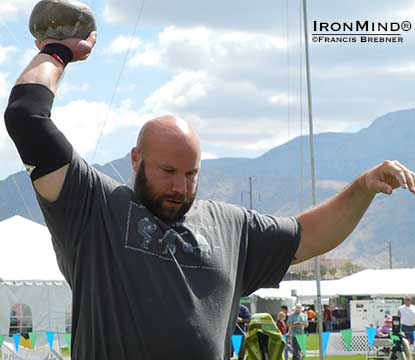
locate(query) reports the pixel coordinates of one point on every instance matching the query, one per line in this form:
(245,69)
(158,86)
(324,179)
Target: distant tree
(348,267)
(323,271)
(303,275)
(332,271)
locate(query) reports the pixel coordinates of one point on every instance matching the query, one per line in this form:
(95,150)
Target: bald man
(154,273)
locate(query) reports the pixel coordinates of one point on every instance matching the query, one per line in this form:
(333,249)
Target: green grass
(312,342)
(345,357)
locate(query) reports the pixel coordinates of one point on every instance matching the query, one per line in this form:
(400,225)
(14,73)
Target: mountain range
(281,185)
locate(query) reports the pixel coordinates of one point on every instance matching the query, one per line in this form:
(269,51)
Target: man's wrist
(362,186)
(61,53)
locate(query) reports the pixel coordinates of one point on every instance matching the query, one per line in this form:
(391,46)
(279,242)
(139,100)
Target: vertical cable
(119,78)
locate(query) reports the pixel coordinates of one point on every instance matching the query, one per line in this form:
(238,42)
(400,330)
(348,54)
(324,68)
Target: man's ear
(135,158)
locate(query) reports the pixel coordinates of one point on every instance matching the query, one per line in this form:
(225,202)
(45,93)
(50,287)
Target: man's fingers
(404,176)
(410,177)
(400,176)
(92,38)
(381,186)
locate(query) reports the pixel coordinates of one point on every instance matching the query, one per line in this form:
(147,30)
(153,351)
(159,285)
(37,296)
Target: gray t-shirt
(143,289)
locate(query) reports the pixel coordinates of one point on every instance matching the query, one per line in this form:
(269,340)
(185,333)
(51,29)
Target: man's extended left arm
(325,226)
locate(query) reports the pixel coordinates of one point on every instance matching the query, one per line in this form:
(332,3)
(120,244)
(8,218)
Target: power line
(117,172)
(119,78)
(23,198)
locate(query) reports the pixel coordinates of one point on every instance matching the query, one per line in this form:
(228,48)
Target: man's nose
(179,184)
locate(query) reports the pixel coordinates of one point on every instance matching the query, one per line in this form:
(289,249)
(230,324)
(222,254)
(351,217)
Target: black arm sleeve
(42,147)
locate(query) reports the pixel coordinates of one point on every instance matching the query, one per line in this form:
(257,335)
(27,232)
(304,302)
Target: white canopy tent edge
(375,283)
(27,253)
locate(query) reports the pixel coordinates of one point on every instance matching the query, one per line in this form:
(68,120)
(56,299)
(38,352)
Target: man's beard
(154,203)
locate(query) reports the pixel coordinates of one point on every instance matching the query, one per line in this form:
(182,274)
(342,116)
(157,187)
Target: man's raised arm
(44,150)
(327,225)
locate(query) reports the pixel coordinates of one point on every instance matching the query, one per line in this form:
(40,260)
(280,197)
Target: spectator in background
(282,326)
(311,314)
(242,321)
(297,322)
(384,330)
(328,318)
(284,309)
(241,326)
(407,314)
(311,317)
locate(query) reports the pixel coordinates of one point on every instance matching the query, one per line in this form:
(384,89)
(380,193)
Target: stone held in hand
(61,19)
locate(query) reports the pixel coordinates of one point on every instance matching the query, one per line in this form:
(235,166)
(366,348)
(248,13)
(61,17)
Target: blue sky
(235,69)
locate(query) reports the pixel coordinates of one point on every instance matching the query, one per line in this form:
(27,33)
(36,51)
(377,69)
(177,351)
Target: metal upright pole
(313,175)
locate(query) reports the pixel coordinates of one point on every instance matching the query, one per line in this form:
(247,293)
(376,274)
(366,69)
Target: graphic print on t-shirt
(147,234)
(146,229)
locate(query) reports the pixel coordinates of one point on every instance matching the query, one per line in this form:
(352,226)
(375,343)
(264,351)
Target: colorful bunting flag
(302,343)
(16,338)
(237,342)
(33,338)
(326,336)
(50,335)
(2,337)
(371,333)
(347,338)
(68,341)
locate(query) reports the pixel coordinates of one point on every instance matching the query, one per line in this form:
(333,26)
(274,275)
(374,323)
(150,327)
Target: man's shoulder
(218,207)
(96,174)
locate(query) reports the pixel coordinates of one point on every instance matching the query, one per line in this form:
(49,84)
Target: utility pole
(313,176)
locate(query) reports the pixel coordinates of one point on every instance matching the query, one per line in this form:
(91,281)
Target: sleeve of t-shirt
(272,243)
(71,212)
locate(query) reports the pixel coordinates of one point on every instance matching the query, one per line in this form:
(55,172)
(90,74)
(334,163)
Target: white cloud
(123,44)
(5,51)
(8,151)
(266,15)
(402,69)
(206,155)
(4,86)
(178,93)
(10,9)
(214,51)
(67,88)
(27,56)
(82,122)
(149,57)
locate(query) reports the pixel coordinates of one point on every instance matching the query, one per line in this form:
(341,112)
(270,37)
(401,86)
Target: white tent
(31,276)
(374,283)
(26,251)
(378,283)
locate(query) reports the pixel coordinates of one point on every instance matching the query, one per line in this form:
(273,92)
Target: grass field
(348,357)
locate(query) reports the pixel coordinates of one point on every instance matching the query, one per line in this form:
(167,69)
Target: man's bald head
(166,162)
(167,131)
